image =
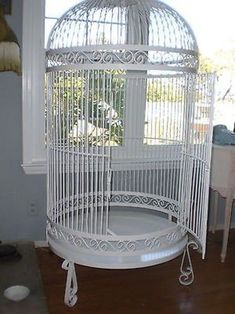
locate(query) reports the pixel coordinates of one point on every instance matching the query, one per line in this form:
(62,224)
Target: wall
(17,190)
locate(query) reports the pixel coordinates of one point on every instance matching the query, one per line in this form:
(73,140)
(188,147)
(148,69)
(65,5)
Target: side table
(223,182)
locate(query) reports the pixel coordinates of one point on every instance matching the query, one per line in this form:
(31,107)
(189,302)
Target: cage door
(196,155)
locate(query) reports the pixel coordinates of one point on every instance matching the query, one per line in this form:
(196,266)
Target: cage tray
(136,238)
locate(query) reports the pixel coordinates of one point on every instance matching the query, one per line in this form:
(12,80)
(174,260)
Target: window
(214,30)
(36,23)
(53,12)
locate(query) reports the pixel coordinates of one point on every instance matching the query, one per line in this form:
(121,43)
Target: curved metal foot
(70,297)
(186,269)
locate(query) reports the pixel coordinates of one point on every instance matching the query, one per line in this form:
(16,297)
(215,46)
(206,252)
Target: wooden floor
(153,290)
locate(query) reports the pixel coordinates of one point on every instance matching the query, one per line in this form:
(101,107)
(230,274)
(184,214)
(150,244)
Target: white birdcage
(129,137)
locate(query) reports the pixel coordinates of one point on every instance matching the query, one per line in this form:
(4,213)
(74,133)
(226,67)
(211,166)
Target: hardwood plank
(149,290)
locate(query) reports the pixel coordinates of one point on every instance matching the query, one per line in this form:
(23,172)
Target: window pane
(54,9)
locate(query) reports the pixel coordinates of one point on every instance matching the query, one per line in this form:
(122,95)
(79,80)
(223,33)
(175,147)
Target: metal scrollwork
(153,242)
(123,56)
(186,269)
(70,296)
(146,201)
(124,246)
(114,245)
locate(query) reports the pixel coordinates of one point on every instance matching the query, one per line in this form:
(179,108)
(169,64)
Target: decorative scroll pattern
(146,201)
(138,57)
(114,245)
(186,269)
(77,203)
(70,296)
(87,200)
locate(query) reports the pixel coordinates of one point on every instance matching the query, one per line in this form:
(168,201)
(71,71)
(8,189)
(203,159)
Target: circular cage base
(137,238)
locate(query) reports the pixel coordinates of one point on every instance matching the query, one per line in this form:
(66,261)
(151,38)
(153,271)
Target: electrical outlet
(33,209)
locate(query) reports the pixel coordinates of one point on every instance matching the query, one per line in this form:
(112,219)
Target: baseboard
(40,244)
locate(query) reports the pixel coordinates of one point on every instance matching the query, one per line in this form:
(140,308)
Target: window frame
(33,86)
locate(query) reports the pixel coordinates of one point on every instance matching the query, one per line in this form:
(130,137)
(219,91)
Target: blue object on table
(222,136)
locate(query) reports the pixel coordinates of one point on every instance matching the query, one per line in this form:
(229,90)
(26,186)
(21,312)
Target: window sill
(35,167)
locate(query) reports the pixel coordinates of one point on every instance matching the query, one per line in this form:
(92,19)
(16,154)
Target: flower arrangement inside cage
(128,172)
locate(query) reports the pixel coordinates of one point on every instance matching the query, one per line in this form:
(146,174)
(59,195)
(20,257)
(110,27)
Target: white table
(223,182)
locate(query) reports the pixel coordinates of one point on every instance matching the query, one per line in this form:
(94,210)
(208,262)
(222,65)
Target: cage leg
(186,269)
(70,297)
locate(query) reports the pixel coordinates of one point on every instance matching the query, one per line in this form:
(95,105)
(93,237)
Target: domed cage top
(128,138)
(125,34)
